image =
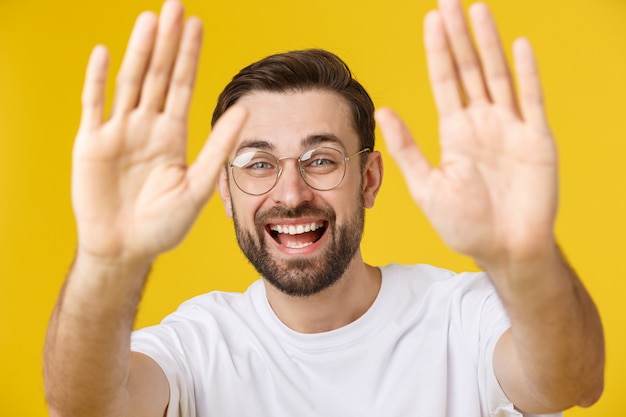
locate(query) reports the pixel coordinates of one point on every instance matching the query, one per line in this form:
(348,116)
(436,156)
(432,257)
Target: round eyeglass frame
(298,159)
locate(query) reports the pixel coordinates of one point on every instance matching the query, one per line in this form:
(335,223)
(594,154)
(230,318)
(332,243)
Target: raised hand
(494,193)
(133,193)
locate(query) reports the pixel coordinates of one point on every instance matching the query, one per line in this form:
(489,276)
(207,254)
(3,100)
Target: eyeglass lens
(256,172)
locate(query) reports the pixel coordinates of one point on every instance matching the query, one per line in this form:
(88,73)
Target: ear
(224,190)
(372,178)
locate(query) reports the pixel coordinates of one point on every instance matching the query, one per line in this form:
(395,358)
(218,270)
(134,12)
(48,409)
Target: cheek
(347,202)
(244,209)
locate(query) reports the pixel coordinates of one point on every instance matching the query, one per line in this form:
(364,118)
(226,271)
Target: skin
(496,152)
(135,197)
(286,122)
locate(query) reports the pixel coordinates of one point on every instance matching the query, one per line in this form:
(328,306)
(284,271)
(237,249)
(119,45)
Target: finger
(134,65)
(202,175)
(442,73)
(163,57)
(94,96)
(403,149)
(495,67)
(463,52)
(530,91)
(184,76)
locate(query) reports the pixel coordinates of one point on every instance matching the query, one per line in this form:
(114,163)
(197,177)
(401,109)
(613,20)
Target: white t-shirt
(424,348)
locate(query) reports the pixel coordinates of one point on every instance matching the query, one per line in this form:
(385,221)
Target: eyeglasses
(256,172)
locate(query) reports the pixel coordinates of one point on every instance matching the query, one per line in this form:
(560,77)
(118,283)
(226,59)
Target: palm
(123,189)
(133,193)
(494,191)
(494,185)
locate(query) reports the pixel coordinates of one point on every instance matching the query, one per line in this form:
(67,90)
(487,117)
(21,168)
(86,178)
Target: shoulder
(217,314)
(218,304)
(427,290)
(227,319)
(422,277)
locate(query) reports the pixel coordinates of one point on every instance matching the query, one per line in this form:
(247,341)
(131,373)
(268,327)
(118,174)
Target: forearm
(87,352)
(556,334)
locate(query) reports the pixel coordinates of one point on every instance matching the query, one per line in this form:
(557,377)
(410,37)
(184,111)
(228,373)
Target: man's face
(299,239)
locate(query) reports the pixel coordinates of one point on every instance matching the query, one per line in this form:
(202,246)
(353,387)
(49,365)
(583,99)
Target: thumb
(202,175)
(403,149)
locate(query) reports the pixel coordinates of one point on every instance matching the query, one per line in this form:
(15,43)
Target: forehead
(293,121)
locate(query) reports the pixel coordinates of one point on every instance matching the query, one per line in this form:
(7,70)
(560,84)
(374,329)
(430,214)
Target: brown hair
(299,71)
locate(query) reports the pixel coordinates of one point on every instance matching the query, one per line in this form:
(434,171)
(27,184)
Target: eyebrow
(320,139)
(262,145)
(315,139)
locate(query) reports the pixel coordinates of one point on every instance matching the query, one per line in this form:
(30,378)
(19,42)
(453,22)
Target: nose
(290,189)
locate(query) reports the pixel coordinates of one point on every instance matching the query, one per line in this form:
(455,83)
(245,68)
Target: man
(323,333)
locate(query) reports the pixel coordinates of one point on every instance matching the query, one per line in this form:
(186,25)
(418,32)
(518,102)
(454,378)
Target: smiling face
(299,239)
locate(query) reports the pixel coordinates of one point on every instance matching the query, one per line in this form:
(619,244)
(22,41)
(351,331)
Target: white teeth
(298,245)
(296,229)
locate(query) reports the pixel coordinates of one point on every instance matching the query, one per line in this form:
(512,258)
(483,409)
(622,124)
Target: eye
(321,162)
(256,164)
(260,165)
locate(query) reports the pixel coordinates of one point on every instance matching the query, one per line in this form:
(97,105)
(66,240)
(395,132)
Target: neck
(341,304)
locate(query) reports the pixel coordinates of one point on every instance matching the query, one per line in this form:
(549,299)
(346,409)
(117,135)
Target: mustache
(304,210)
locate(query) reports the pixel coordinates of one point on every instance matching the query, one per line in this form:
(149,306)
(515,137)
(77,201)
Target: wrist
(121,263)
(109,282)
(529,276)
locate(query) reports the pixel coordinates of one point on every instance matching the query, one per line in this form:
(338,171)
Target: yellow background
(581,45)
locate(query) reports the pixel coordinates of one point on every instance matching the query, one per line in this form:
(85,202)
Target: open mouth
(297,236)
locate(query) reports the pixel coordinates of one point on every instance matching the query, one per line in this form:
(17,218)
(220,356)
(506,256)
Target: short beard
(304,276)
